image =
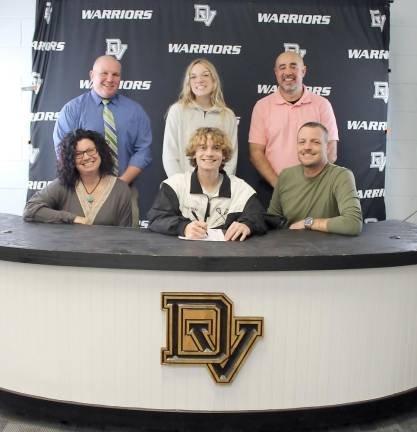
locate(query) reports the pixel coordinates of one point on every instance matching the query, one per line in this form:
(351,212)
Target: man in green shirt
(317,195)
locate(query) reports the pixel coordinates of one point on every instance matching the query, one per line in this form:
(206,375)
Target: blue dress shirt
(134,135)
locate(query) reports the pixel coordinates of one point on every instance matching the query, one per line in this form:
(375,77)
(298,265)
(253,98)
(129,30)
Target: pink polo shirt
(275,123)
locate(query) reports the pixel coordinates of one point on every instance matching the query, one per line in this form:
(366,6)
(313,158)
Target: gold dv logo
(201,329)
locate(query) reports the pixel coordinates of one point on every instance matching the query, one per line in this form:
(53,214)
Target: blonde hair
(187,96)
(218,137)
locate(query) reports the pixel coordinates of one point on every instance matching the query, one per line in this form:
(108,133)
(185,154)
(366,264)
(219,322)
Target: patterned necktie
(110,134)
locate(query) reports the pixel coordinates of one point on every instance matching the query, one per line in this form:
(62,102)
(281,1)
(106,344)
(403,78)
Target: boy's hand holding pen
(196,229)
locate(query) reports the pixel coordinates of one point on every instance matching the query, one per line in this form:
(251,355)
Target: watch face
(308,222)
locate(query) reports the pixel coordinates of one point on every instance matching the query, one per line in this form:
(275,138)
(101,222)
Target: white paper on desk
(212,235)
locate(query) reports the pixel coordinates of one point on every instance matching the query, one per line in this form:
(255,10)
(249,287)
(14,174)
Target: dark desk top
(382,244)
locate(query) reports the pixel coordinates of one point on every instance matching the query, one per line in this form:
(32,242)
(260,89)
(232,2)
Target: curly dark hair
(67,172)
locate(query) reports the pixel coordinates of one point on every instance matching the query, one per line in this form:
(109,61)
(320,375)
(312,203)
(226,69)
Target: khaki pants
(135,208)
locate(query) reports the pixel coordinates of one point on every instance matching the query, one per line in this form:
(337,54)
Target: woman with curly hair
(85,191)
(200,104)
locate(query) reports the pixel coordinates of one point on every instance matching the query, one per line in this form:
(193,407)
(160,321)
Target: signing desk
(82,320)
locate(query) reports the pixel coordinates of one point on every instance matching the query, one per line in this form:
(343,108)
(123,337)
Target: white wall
(17,23)
(401,174)
(16,30)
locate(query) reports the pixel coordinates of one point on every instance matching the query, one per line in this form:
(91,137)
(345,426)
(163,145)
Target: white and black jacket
(181,198)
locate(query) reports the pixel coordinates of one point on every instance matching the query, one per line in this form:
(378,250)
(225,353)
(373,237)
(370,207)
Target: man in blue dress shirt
(133,128)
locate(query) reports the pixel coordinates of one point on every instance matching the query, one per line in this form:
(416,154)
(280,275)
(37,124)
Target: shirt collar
(197,107)
(305,98)
(97,99)
(225,189)
(321,173)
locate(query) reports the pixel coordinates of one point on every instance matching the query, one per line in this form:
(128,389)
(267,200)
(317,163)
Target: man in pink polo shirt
(277,118)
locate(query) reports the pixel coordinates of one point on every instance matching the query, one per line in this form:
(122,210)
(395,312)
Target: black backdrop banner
(345,45)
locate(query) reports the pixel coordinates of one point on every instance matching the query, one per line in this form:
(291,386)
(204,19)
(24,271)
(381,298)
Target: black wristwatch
(308,223)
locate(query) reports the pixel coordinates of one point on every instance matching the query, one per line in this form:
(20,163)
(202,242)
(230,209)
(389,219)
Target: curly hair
(67,172)
(218,137)
(187,96)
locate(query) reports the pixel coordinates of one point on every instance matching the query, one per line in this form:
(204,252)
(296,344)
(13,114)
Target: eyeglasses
(89,152)
(204,75)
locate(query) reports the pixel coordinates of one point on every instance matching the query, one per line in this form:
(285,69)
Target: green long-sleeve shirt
(331,194)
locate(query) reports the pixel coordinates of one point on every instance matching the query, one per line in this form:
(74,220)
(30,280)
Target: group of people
(102,140)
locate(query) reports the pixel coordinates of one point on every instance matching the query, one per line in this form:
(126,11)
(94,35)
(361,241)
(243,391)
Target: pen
(196,218)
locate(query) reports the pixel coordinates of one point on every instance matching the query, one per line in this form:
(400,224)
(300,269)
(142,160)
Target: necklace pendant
(90,197)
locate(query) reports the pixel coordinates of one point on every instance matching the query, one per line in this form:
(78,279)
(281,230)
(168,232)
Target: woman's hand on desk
(80,220)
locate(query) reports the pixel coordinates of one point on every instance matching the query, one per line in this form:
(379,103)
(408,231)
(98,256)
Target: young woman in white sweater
(200,104)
